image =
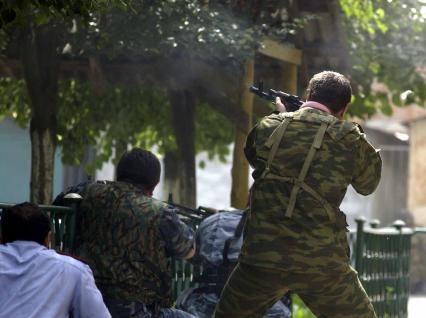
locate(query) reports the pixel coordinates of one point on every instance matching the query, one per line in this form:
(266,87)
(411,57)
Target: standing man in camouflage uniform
(128,238)
(296,235)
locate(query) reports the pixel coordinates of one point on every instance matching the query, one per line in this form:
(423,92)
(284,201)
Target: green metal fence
(183,272)
(382,258)
(380,255)
(62,220)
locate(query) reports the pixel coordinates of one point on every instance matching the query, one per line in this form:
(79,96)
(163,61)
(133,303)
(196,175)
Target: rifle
(196,214)
(291,102)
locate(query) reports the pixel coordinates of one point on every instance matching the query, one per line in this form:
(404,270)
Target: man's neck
(147,192)
(316,105)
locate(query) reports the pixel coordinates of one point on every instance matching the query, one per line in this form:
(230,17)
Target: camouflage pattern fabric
(202,305)
(127,239)
(309,249)
(211,236)
(252,289)
(309,240)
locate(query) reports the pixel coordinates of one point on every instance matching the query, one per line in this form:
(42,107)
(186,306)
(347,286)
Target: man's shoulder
(122,195)
(347,130)
(63,258)
(226,221)
(66,261)
(98,186)
(143,203)
(271,120)
(303,117)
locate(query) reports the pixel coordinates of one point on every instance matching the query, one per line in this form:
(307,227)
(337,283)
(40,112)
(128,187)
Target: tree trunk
(171,176)
(120,148)
(287,78)
(240,166)
(40,64)
(183,122)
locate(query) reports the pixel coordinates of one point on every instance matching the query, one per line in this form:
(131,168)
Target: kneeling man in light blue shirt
(36,281)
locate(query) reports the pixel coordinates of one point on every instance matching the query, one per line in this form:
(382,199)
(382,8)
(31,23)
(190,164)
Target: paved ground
(417,307)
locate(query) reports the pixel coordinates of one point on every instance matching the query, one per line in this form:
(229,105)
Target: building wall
(417,173)
(15,163)
(389,202)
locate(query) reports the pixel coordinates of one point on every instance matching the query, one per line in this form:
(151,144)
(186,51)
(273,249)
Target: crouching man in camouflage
(219,239)
(295,234)
(128,238)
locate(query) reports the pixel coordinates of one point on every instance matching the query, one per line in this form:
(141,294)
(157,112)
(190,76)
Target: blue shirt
(38,282)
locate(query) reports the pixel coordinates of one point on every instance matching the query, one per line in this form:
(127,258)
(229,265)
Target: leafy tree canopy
(140,117)
(204,29)
(164,29)
(213,30)
(387,45)
(16,12)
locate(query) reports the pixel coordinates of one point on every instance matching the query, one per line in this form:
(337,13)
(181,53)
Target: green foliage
(14,101)
(299,308)
(16,12)
(138,117)
(190,28)
(129,116)
(388,46)
(136,31)
(166,29)
(214,133)
(364,15)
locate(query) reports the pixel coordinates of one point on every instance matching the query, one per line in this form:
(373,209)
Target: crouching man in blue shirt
(36,281)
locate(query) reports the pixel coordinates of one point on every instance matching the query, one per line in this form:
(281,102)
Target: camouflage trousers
(132,309)
(202,304)
(252,290)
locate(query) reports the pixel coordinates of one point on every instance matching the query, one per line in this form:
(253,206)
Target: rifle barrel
(291,102)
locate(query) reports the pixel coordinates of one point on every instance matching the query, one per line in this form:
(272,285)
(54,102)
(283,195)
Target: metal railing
(62,220)
(382,257)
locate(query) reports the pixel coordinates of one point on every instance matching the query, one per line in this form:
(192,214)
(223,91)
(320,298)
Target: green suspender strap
(299,182)
(274,140)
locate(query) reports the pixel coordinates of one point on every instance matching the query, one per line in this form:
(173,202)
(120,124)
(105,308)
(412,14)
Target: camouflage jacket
(313,235)
(128,238)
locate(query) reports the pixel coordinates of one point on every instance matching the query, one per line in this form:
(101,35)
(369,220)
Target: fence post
(401,305)
(375,223)
(359,242)
(72,200)
(398,224)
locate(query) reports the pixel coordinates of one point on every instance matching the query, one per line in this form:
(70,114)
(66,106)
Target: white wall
(15,163)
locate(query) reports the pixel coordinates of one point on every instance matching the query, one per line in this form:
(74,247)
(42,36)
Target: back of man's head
(139,166)
(24,222)
(330,89)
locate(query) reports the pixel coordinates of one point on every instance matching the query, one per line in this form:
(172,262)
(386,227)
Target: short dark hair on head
(331,89)
(139,166)
(24,222)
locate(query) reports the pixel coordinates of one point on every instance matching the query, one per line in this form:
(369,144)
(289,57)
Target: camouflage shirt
(128,238)
(309,239)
